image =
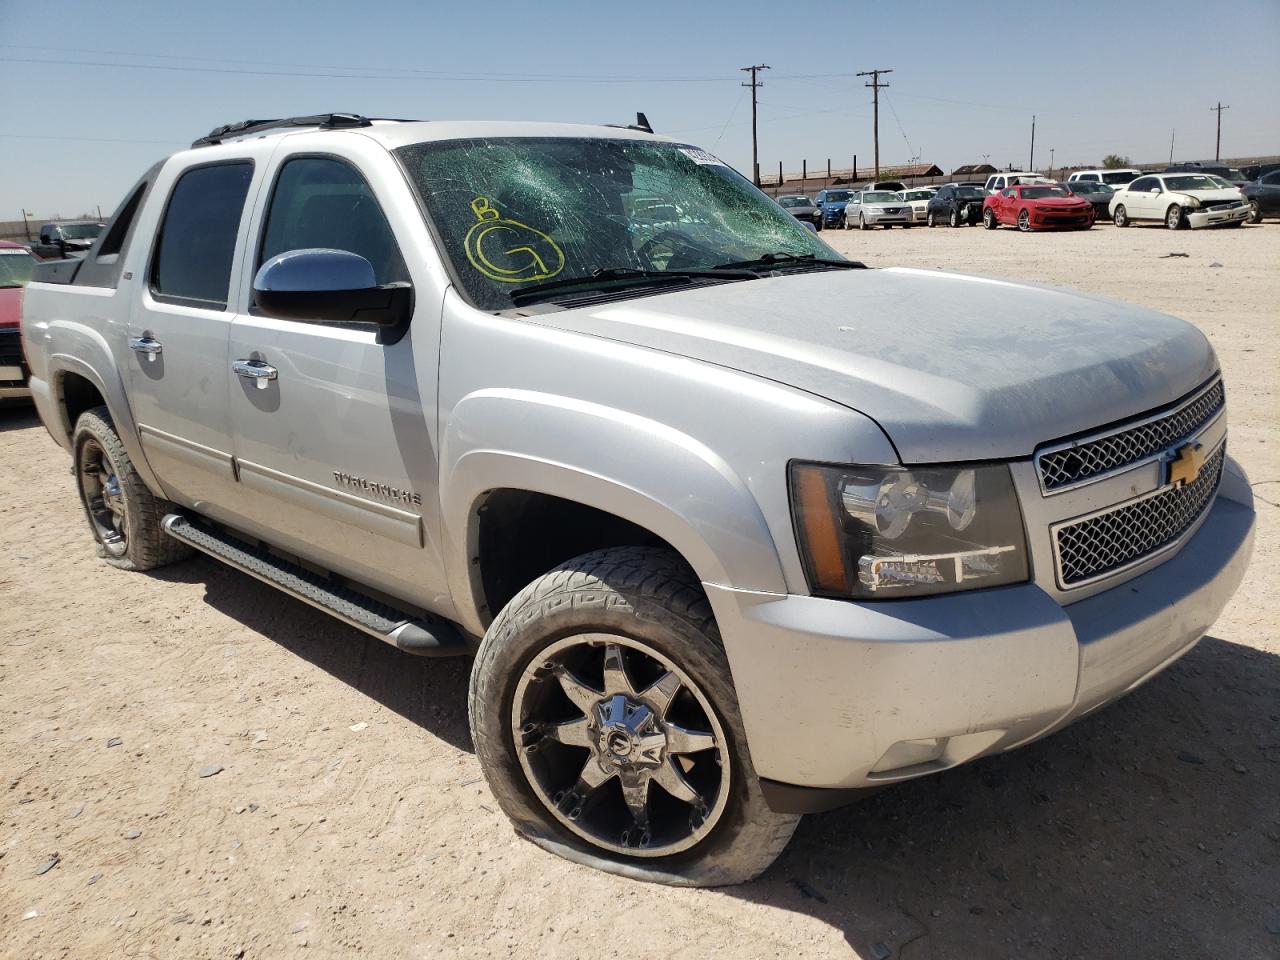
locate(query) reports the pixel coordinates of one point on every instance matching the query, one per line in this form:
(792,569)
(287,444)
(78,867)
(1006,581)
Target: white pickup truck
(735,528)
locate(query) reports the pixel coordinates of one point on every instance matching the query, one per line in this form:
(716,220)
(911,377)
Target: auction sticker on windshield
(698,155)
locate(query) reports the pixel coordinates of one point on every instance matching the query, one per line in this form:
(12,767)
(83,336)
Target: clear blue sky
(78,127)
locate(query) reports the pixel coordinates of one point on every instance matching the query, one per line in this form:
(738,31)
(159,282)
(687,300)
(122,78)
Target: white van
(998,181)
(1113,178)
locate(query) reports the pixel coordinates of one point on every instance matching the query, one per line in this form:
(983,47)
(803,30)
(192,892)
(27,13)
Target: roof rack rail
(324,121)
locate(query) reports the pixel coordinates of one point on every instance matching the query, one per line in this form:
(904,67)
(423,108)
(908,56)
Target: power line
(403,74)
(876,86)
(755,145)
(910,149)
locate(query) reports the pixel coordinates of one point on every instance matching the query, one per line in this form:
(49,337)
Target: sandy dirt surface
(349,816)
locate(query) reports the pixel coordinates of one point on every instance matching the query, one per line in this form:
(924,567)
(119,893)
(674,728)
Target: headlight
(1192,203)
(873,533)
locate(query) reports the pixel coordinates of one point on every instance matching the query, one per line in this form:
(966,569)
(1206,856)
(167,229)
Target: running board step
(435,638)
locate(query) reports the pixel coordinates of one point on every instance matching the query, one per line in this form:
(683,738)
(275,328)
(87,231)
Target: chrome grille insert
(1069,465)
(1103,543)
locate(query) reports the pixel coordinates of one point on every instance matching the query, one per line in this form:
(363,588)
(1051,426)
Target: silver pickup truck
(734,528)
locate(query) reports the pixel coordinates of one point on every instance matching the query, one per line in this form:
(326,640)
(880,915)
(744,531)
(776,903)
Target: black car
(1098,194)
(1263,195)
(803,209)
(1217,169)
(1256,170)
(955,204)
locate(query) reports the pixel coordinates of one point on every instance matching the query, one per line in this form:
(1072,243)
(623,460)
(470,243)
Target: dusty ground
(1150,830)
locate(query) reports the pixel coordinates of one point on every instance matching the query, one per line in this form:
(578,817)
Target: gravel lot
(349,816)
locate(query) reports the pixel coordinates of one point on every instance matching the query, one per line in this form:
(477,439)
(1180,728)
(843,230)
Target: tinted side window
(1142,183)
(1272,178)
(322,202)
(192,262)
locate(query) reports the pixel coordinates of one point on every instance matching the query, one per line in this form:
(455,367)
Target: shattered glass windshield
(514,212)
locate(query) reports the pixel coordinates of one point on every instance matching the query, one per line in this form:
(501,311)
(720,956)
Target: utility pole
(875,86)
(755,146)
(1217,150)
(1051,162)
(1173,135)
(1031,167)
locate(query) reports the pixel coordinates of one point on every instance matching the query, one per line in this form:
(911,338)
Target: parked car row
(1185,195)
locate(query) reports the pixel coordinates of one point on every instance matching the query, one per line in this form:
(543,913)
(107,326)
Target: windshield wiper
(606,275)
(784,259)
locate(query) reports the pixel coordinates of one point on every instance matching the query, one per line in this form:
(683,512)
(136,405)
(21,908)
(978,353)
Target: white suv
(999,181)
(1113,178)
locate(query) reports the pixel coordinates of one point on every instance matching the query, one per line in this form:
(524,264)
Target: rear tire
(122,513)
(1255,212)
(649,601)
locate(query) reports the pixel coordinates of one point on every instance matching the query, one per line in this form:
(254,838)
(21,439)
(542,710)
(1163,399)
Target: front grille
(1226,205)
(1120,536)
(1095,457)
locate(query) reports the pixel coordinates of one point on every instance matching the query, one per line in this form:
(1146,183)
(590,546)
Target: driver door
(335,440)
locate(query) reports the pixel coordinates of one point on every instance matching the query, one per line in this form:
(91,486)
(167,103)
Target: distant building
(973,170)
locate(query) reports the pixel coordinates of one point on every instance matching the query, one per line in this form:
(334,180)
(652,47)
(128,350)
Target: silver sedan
(869,208)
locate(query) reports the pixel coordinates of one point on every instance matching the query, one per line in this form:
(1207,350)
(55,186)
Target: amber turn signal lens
(816,520)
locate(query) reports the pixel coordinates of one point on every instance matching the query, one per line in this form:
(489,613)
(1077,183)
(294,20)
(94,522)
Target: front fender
(627,465)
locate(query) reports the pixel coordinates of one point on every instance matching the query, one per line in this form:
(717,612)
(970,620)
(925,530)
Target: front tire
(1121,217)
(1255,212)
(862,223)
(1024,221)
(955,218)
(122,513)
(1173,217)
(606,723)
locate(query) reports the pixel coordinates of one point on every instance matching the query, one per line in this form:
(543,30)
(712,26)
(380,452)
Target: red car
(16,262)
(1037,206)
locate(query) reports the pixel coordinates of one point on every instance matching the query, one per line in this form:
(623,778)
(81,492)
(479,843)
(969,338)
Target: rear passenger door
(178,329)
(337,453)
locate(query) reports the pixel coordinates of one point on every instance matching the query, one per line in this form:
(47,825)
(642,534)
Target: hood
(10,307)
(1057,201)
(1211,196)
(952,367)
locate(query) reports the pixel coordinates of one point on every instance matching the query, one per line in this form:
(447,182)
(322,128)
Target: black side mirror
(329,286)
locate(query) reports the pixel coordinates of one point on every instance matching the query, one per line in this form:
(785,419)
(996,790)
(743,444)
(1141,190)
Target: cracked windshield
(536,220)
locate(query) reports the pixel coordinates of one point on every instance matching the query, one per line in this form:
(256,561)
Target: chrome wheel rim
(103,498)
(1173,218)
(1024,221)
(620,745)
(1121,217)
(1255,212)
(989,219)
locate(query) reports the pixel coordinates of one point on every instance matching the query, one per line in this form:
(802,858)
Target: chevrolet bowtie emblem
(1186,463)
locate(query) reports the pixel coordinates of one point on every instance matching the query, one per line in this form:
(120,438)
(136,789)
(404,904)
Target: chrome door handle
(261,373)
(146,346)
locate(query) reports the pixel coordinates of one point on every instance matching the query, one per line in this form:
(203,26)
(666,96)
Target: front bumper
(902,216)
(1209,218)
(843,695)
(13,367)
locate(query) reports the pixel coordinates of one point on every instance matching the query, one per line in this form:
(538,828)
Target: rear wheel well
(78,395)
(521,535)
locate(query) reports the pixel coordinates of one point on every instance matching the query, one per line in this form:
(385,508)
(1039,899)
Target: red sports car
(1037,206)
(16,262)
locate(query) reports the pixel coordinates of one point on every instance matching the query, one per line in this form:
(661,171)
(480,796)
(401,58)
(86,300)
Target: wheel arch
(606,471)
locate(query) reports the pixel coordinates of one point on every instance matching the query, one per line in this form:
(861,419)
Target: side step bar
(437,638)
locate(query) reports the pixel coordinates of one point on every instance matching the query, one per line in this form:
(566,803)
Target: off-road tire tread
(657,587)
(148,545)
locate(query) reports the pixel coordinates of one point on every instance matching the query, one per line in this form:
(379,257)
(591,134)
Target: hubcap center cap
(628,733)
